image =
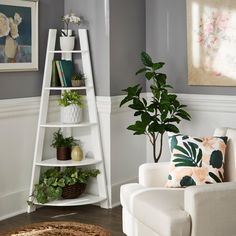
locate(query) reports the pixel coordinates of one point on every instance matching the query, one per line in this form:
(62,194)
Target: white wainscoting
(123,152)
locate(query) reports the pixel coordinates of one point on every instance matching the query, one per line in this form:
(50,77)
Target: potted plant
(71,103)
(77,80)
(67,41)
(63,145)
(56,183)
(160,114)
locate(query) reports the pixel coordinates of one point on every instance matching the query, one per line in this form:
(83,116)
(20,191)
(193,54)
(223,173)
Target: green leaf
(173,143)
(187,181)
(137,104)
(216,178)
(157,66)
(149,75)
(216,159)
(199,158)
(138,113)
(188,148)
(181,149)
(183,114)
(171,128)
(156,127)
(146,59)
(141,71)
(125,100)
(221,176)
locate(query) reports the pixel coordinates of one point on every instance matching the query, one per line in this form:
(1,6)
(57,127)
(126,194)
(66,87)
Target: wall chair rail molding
(209,103)
(23,106)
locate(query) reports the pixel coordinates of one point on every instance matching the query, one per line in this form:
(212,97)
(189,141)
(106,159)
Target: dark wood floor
(89,214)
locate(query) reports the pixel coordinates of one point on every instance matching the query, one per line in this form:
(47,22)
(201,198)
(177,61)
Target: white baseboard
(13,204)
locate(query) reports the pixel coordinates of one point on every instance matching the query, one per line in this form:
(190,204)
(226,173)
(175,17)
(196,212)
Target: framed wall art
(18,35)
(211,29)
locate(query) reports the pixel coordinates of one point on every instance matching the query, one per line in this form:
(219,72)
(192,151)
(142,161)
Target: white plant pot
(71,114)
(67,43)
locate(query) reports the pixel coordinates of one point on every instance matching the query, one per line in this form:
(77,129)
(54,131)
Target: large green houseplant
(53,183)
(159,115)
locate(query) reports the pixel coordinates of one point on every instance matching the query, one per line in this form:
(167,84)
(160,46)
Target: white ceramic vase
(67,43)
(71,114)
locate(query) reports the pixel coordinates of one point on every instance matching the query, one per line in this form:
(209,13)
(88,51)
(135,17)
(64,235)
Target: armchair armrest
(212,208)
(153,174)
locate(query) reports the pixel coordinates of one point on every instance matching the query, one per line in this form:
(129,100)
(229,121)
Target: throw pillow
(196,161)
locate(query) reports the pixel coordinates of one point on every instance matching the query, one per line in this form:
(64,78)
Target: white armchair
(150,209)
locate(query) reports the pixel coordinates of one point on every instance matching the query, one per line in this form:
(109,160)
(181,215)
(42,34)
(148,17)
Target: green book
(55,81)
(65,71)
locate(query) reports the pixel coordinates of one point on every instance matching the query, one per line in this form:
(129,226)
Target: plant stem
(154,147)
(160,150)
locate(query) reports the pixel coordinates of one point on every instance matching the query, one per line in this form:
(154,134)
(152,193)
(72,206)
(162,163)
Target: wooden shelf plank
(84,199)
(54,162)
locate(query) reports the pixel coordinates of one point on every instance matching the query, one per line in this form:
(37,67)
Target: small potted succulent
(77,80)
(63,145)
(57,183)
(71,103)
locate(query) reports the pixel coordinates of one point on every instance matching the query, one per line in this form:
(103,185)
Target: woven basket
(73,191)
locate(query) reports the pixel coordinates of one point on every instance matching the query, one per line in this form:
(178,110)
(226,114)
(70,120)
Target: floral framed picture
(18,35)
(211,31)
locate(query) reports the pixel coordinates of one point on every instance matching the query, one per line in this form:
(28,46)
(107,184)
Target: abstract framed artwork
(211,34)
(18,35)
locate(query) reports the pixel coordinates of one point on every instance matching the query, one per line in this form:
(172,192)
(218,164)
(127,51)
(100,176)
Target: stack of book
(62,72)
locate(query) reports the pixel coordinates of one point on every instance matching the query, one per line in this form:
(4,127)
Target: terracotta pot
(63,153)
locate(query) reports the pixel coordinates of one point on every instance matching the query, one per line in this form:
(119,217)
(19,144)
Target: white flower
(4,25)
(13,29)
(17,18)
(71,18)
(75,19)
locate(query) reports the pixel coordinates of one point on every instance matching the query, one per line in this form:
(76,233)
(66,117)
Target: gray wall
(96,20)
(28,84)
(117,36)
(166,39)
(127,41)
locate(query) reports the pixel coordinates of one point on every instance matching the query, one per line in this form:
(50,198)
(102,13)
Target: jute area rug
(59,228)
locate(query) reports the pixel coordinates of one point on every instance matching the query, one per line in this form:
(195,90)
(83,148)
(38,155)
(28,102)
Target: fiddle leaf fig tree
(162,113)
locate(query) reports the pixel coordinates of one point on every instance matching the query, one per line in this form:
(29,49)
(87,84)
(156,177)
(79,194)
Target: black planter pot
(63,153)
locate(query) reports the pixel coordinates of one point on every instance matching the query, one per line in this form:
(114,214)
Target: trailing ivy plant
(159,115)
(52,182)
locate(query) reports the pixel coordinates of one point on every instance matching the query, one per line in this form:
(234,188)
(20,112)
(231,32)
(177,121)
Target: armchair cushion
(212,209)
(162,210)
(196,161)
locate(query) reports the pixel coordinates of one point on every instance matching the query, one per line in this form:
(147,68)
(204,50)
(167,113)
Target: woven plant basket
(73,191)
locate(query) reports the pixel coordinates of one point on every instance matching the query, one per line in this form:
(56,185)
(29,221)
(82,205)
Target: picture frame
(18,35)
(211,36)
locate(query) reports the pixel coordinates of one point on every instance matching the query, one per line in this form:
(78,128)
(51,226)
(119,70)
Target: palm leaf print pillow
(196,161)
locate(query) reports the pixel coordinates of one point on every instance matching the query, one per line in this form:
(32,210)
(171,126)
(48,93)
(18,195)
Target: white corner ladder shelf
(92,123)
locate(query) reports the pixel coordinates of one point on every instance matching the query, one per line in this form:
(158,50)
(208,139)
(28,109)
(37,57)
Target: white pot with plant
(71,103)
(67,40)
